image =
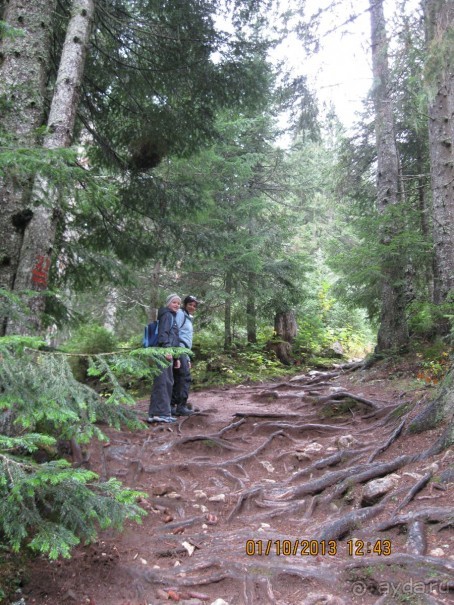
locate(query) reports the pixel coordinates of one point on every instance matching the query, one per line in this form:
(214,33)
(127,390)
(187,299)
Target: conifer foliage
(46,502)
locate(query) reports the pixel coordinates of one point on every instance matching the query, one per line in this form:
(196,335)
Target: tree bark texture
(285,328)
(154,296)
(228,310)
(23,75)
(251,310)
(439,18)
(39,237)
(393,332)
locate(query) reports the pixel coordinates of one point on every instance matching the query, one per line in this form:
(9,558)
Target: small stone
(161,594)
(269,467)
(377,488)
(161,490)
(199,494)
(346,441)
(189,547)
(174,496)
(217,498)
(313,448)
(437,552)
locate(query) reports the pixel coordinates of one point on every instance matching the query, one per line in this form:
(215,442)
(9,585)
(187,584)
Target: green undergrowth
(239,366)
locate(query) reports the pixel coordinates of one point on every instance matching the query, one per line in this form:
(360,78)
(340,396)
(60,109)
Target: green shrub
(88,340)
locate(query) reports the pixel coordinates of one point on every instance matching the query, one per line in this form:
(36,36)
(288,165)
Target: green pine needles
(45,502)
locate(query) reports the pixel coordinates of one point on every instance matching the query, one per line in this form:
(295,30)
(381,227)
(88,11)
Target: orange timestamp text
(315,548)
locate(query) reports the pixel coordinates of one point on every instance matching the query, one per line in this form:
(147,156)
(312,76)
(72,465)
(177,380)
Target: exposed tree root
(231,426)
(275,416)
(253,453)
(195,574)
(413,562)
(290,509)
(413,491)
(377,470)
(333,460)
(334,398)
(445,441)
(228,475)
(429,515)
(346,524)
(348,476)
(416,538)
(318,485)
(389,442)
(246,495)
(311,379)
(209,439)
(298,428)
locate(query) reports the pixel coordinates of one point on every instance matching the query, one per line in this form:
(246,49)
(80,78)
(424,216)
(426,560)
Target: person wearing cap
(161,393)
(182,375)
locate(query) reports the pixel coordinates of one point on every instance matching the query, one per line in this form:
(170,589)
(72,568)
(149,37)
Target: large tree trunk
(154,296)
(251,311)
(38,243)
(23,75)
(439,410)
(228,311)
(393,332)
(285,328)
(439,17)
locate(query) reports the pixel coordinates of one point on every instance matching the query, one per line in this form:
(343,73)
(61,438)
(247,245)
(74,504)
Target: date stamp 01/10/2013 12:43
(316,548)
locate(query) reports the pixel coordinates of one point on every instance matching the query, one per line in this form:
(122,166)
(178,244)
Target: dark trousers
(161,393)
(181,382)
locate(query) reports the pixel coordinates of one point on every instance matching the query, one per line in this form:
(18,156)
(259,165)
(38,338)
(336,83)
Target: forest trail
(265,496)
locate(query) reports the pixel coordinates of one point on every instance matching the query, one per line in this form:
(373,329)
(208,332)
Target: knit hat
(170,298)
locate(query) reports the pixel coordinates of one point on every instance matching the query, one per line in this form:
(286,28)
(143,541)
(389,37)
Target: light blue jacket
(185,328)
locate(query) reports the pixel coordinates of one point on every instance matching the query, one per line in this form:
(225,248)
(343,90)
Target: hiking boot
(173,409)
(165,419)
(183,411)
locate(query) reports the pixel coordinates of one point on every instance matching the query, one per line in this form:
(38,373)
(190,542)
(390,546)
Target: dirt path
(263,497)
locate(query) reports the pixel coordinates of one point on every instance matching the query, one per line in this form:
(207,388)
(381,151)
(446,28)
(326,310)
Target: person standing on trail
(182,375)
(161,393)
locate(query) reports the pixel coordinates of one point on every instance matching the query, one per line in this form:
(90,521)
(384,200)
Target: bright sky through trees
(340,73)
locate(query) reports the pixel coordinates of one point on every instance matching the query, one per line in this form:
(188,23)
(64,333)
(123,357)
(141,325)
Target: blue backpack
(150,333)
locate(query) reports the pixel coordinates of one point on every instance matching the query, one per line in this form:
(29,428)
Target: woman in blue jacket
(182,375)
(168,336)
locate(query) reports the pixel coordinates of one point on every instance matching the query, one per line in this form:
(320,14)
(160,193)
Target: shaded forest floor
(275,493)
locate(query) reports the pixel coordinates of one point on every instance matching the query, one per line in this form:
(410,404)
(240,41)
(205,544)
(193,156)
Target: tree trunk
(285,328)
(154,297)
(110,309)
(439,18)
(37,247)
(23,75)
(228,311)
(393,332)
(251,311)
